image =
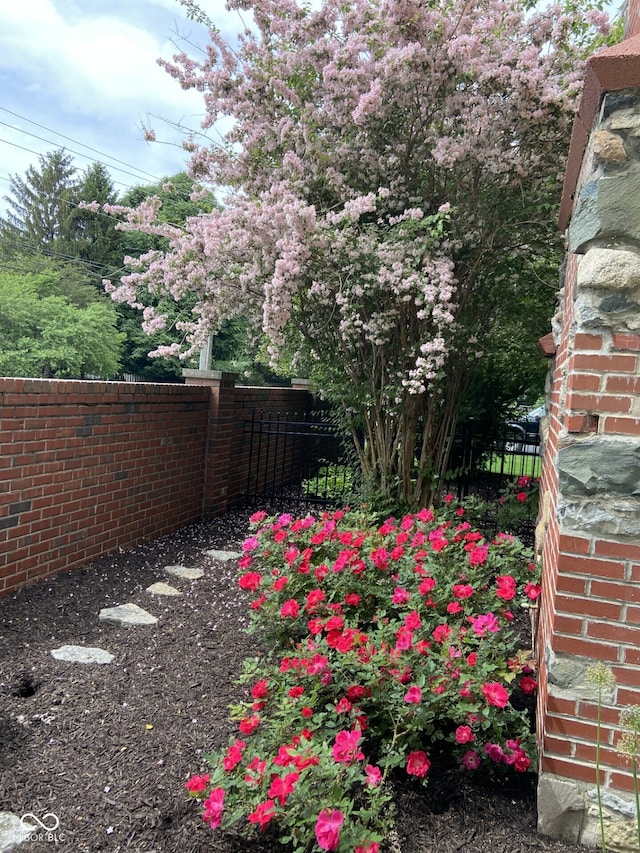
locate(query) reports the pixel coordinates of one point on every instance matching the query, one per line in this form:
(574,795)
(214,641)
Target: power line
(72,150)
(39,154)
(76,142)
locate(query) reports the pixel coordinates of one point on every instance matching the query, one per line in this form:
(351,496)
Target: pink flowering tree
(390,171)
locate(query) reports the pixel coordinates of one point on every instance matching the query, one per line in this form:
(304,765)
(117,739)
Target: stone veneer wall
(588,534)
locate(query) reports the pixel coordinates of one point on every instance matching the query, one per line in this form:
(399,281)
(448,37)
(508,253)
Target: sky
(82,75)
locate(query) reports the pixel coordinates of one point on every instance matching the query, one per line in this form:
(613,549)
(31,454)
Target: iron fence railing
(302,458)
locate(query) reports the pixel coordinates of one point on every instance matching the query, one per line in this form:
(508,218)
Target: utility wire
(77,142)
(72,150)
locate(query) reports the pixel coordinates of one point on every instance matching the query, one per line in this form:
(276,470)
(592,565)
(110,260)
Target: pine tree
(41,207)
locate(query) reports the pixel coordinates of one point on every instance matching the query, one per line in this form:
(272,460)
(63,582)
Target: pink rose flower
(418,764)
(328,829)
(495,694)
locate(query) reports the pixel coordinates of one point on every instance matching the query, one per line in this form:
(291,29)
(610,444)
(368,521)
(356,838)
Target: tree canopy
(44,333)
(392,173)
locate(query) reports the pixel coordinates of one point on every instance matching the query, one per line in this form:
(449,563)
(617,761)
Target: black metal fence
(299,458)
(302,459)
(482,463)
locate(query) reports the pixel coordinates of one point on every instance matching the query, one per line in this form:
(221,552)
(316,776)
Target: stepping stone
(82,654)
(223,555)
(163,589)
(126,614)
(184,572)
(13,831)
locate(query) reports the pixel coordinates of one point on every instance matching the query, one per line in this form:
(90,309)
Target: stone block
(607,208)
(598,466)
(561,808)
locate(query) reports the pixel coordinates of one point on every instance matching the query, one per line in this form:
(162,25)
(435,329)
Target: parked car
(523,434)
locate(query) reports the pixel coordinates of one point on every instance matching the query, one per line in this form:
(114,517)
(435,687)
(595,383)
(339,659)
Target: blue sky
(86,70)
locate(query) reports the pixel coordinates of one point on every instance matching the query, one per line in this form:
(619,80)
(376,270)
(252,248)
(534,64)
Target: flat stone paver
(82,654)
(126,614)
(12,831)
(184,572)
(163,589)
(223,555)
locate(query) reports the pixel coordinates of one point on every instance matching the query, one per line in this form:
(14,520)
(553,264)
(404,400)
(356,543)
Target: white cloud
(88,69)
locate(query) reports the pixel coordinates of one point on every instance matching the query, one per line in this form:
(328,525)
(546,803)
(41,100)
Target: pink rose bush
(368,666)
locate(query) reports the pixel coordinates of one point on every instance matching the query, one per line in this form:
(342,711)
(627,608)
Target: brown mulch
(107,748)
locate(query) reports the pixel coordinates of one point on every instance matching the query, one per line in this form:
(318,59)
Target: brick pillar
(588,534)
(219,439)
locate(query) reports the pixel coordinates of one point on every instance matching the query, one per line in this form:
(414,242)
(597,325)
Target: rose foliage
(384,641)
(390,169)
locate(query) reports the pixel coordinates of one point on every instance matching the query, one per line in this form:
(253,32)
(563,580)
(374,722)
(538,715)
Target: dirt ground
(107,748)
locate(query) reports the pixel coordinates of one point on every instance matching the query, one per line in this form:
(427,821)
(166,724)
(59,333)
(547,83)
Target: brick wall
(90,467)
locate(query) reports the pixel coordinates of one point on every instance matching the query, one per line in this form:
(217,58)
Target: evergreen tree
(41,207)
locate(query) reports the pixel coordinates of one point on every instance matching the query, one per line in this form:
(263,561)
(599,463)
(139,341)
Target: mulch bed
(107,748)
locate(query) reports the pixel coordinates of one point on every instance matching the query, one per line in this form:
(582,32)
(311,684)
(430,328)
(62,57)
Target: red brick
(581,423)
(570,769)
(570,727)
(571,584)
(608,756)
(622,385)
(627,696)
(557,746)
(559,705)
(616,633)
(622,781)
(591,566)
(585,648)
(589,711)
(632,656)
(622,550)
(588,607)
(621,426)
(567,624)
(624,340)
(584,382)
(615,591)
(586,341)
(605,363)
(599,403)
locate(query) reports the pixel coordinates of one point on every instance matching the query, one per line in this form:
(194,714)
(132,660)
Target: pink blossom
(495,752)
(290,608)
(345,749)
(401,596)
(532,590)
(506,587)
(328,827)
(374,776)
(471,759)
(413,695)
(263,813)
(250,580)
(213,807)
(495,694)
(464,734)
(197,784)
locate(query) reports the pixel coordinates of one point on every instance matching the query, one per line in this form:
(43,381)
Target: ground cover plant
(386,641)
